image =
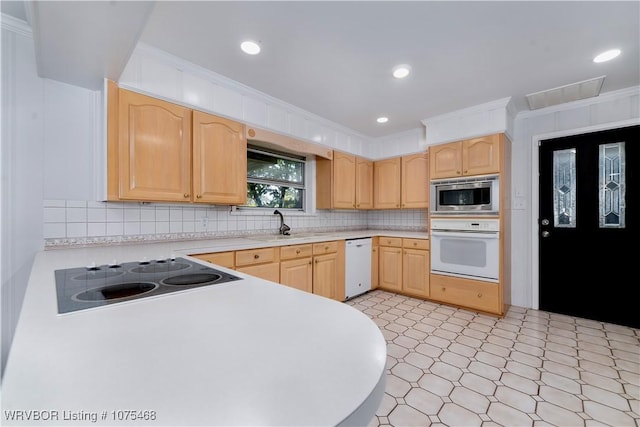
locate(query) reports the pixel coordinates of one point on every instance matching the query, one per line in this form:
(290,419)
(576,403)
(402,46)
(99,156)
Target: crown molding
(480,108)
(16,25)
(240,88)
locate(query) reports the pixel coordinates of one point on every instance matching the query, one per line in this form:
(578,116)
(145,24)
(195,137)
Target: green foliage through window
(274,180)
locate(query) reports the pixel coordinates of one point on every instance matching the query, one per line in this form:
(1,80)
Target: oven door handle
(466,234)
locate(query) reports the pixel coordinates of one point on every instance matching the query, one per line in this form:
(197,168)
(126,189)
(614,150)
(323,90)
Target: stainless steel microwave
(465,195)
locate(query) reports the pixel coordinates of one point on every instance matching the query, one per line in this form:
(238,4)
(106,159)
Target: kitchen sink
(280,237)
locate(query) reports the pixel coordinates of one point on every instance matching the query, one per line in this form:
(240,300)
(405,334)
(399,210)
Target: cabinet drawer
(256,256)
(325,248)
(296,251)
(396,242)
(416,243)
(483,296)
(225,259)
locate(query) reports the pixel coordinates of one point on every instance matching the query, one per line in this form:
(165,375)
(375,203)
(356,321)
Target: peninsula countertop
(249,352)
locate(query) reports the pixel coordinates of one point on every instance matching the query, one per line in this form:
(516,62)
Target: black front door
(589,201)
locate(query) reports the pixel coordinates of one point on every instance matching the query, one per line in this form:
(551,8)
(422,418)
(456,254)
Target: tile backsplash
(69,222)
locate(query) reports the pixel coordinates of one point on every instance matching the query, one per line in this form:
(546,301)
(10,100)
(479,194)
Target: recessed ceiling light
(249,47)
(382,119)
(401,71)
(607,56)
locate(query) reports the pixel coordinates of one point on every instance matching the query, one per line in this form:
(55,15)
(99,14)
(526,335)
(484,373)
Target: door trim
(535,192)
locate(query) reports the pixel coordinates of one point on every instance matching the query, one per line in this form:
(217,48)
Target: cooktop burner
(87,287)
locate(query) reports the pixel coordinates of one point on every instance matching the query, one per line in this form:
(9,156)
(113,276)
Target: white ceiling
(334,58)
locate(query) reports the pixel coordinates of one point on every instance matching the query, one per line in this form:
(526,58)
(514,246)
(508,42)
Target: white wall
(21,157)
(605,111)
(165,76)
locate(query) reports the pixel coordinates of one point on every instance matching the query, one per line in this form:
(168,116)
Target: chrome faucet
(284,228)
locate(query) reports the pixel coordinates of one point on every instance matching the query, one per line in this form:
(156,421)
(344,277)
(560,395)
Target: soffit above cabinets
(83,42)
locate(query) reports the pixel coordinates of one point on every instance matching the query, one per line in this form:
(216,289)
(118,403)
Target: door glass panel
(612,185)
(564,188)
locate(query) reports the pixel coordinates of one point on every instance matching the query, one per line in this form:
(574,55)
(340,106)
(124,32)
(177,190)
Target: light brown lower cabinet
(404,266)
(474,294)
(375,250)
(416,265)
(269,271)
(296,267)
(390,264)
(224,259)
(263,263)
(328,269)
(316,268)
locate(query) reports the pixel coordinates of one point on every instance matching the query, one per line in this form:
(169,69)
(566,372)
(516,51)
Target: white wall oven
(473,195)
(468,248)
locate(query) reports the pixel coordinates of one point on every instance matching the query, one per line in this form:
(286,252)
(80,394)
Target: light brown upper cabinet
(159,151)
(343,182)
(415,181)
(402,182)
(152,157)
(386,183)
(364,183)
(477,156)
(219,160)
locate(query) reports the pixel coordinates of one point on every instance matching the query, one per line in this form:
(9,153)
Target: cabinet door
(225,259)
(375,250)
(390,265)
(344,180)
(386,183)
(269,271)
(474,294)
(364,183)
(297,273)
(325,268)
(481,155)
(415,272)
(154,149)
(219,160)
(415,181)
(445,160)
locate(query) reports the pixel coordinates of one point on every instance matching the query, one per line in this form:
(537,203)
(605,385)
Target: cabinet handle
(458,172)
(316,261)
(297,251)
(403,205)
(358,205)
(326,248)
(415,243)
(466,171)
(444,289)
(397,205)
(256,256)
(479,294)
(186,195)
(310,262)
(199,196)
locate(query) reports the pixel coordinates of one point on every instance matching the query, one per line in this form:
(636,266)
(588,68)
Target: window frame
(303,186)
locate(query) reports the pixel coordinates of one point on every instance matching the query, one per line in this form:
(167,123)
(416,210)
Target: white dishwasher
(357,267)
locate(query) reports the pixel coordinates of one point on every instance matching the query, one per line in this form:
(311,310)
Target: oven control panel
(466,224)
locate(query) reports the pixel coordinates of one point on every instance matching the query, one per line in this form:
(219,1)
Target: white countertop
(250,352)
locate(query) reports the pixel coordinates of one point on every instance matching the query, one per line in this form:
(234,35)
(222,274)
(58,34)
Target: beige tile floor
(455,367)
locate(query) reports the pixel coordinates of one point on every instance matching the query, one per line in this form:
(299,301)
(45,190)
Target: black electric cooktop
(87,287)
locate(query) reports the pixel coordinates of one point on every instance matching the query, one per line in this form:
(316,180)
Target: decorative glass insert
(564,188)
(612,185)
